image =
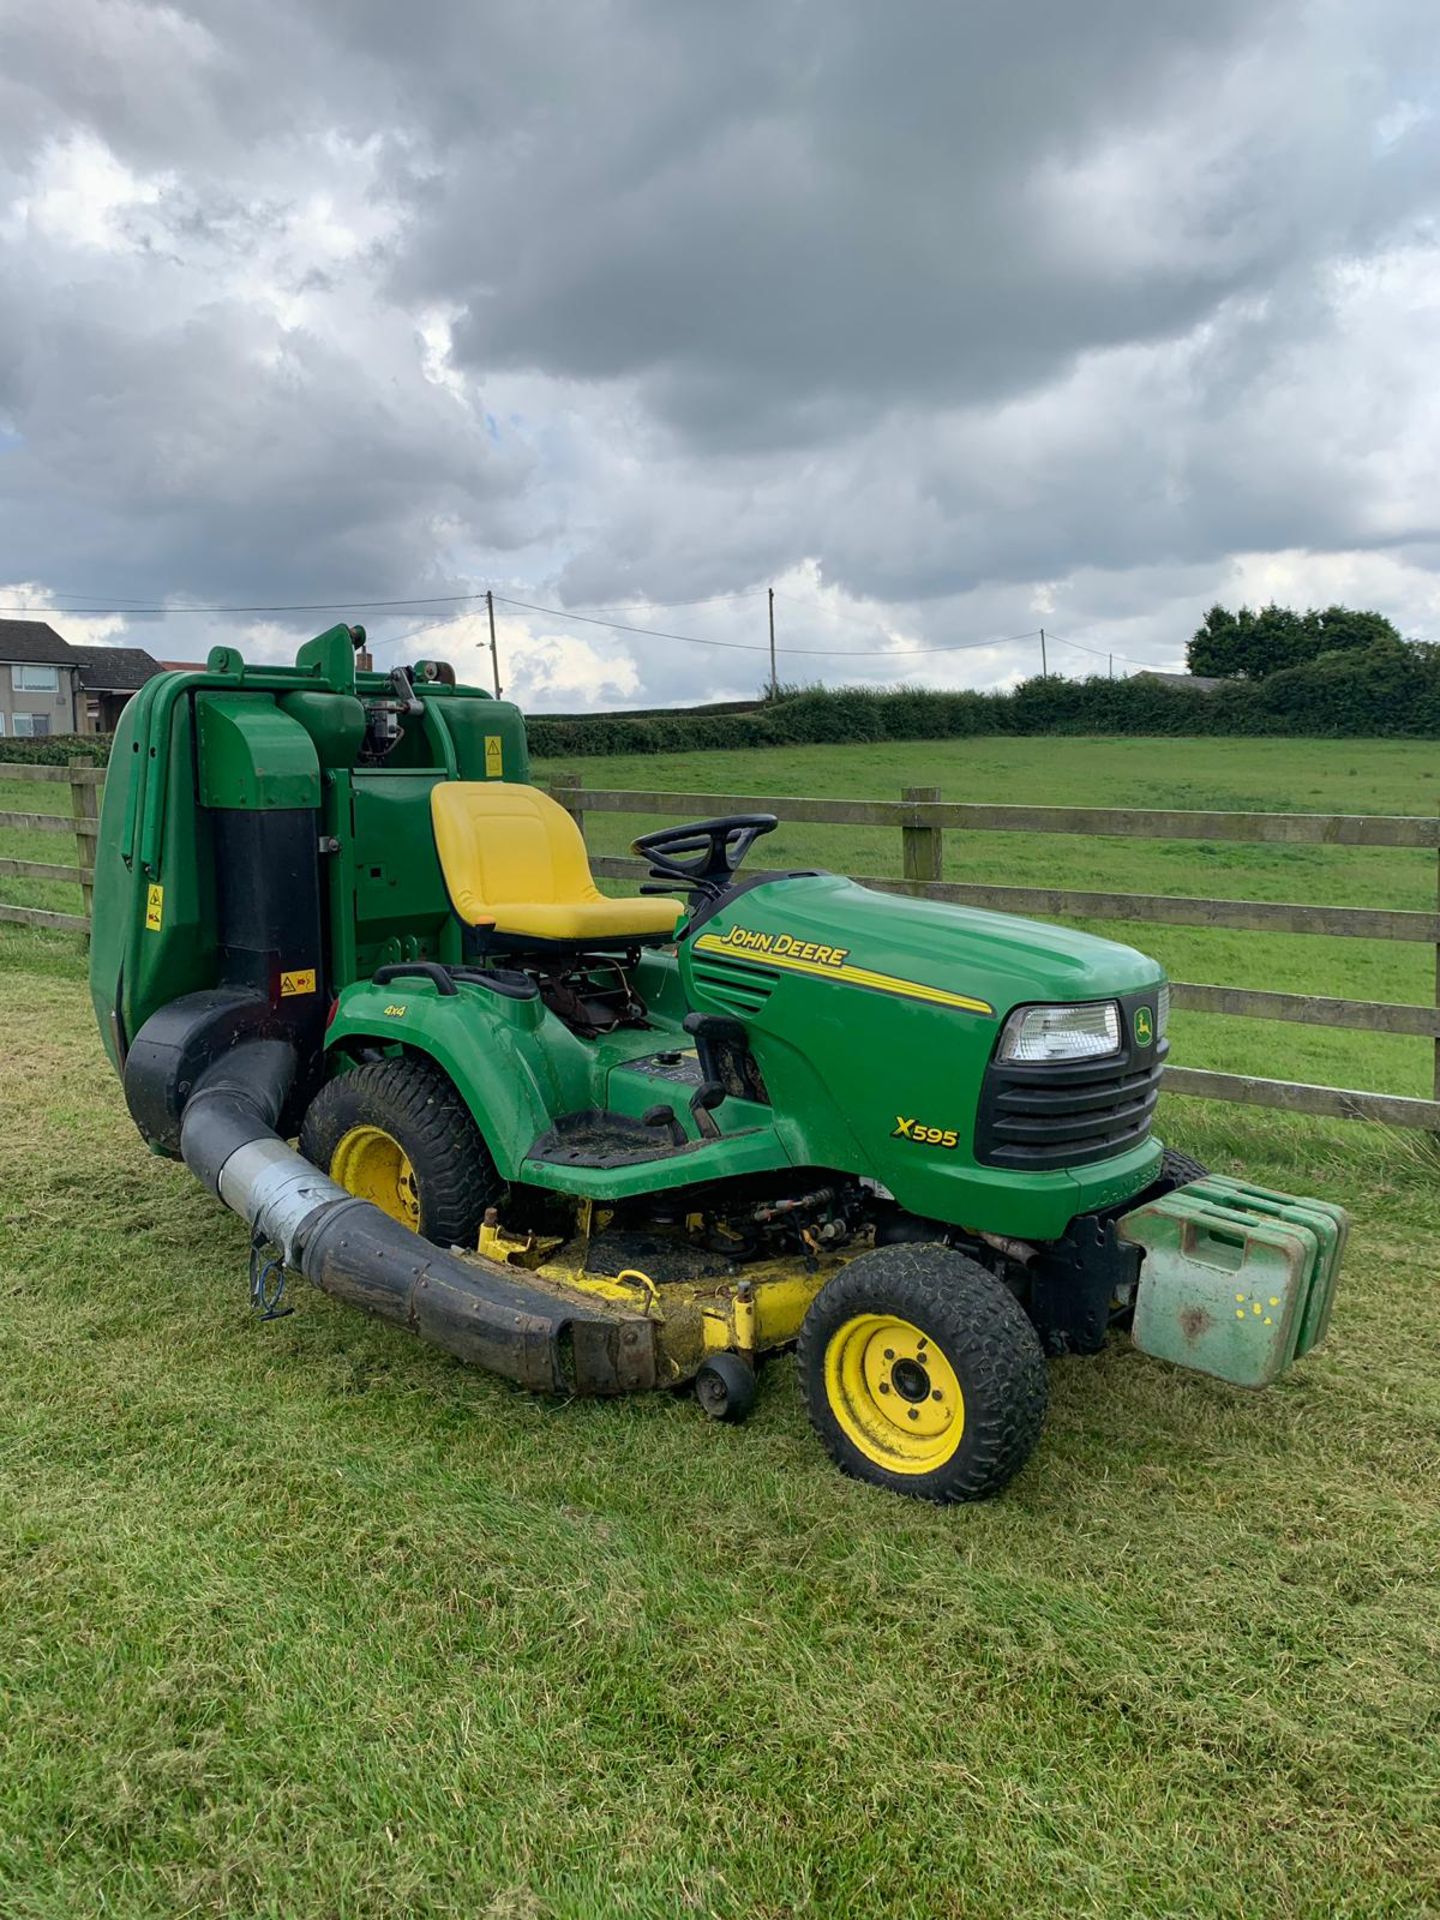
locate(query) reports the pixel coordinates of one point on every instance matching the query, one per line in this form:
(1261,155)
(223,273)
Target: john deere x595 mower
(598,1144)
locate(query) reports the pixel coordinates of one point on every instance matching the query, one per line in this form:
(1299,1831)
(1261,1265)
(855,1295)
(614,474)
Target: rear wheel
(922,1374)
(396,1132)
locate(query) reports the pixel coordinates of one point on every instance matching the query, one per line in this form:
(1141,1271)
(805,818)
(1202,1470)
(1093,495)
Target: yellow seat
(514,861)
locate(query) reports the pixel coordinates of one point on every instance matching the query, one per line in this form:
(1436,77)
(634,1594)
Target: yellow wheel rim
(895,1395)
(373,1165)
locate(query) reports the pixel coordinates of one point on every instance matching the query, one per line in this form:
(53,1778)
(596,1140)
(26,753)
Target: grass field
(305,1619)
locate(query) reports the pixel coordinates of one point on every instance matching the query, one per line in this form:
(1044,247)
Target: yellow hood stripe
(853,976)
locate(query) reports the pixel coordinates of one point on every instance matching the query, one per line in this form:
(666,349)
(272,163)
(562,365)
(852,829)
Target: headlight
(1062,1033)
(1162,1010)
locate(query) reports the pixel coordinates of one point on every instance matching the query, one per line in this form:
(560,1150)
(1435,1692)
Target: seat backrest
(499,841)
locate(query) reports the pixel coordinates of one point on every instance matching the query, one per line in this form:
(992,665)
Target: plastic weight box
(1237,1280)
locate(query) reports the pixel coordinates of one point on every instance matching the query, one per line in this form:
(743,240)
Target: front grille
(1040,1117)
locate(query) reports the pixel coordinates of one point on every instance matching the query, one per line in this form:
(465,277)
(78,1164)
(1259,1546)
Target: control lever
(706,1096)
(665,1117)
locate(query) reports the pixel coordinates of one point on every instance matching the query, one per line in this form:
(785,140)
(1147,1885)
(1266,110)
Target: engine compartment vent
(736,985)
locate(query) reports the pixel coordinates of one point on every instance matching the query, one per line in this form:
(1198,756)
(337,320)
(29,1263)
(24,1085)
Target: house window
(31,726)
(2,726)
(32,679)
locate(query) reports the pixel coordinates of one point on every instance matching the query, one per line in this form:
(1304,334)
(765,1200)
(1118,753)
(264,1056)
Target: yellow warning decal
(154,909)
(301,981)
(494,757)
(739,944)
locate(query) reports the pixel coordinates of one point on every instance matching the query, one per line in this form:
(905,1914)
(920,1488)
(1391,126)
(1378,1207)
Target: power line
(873,626)
(959,646)
(865,620)
(753,646)
(435,625)
(858,619)
(1100,653)
(614,626)
(395,639)
(698,640)
(597,619)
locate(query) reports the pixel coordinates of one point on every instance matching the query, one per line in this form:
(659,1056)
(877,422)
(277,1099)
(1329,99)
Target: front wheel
(922,1374)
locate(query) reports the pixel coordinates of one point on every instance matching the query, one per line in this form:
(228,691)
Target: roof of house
(114,669)
(34,643)
(1197,682)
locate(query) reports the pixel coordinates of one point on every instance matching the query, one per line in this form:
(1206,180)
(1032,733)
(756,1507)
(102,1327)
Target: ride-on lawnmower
(603,1144)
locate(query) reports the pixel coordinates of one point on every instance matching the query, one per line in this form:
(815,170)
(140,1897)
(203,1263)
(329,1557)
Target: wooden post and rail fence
(82,825)
(922,820)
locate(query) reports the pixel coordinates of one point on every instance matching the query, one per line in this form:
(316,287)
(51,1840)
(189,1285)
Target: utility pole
(1044,668)
(1111,658)
(774,683)
(494,650)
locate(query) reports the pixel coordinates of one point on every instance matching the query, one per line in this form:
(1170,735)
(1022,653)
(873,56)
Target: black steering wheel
(702,854)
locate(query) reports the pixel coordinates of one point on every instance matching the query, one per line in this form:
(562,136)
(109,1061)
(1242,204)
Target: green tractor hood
(877,1018)
(993,957)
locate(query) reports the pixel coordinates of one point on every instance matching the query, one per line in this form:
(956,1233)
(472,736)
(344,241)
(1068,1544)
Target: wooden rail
(922,818)
(1293,829)
(1172,909)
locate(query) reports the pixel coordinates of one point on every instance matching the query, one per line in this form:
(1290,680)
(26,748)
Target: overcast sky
(948,320)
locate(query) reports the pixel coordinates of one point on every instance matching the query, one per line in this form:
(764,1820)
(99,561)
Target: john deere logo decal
(1144,1026)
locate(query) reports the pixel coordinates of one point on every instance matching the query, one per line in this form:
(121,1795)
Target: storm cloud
(947,321)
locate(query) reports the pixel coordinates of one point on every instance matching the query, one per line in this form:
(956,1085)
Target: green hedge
(666,713)
(1389,689)
(56,749)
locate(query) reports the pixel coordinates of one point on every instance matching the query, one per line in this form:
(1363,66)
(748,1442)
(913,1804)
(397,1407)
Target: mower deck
(692,1302)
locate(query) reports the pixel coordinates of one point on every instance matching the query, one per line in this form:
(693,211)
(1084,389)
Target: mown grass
(305,1619)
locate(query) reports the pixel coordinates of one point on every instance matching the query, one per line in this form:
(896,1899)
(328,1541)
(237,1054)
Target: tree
(1249,645)
(1345,627)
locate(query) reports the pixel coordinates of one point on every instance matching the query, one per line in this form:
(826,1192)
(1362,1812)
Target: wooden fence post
(922,845)
(85,813)
(564,787)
